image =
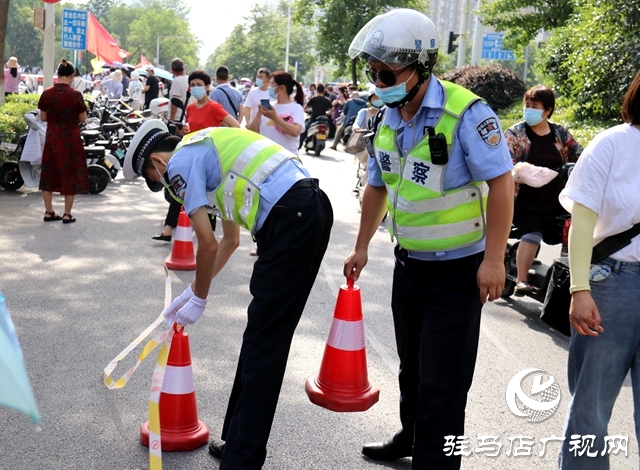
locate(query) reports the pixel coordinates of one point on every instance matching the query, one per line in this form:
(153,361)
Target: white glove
(177,304)
(191,311)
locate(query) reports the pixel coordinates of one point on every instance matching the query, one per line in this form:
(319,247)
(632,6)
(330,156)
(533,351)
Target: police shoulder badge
(489,131)
(179,185)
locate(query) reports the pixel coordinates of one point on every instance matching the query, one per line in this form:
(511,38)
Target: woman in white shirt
(283,121)
(603,196)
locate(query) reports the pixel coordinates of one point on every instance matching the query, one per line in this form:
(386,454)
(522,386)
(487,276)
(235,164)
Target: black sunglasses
(387,77)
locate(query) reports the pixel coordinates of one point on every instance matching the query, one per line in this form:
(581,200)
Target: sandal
(68,219)
(51,216)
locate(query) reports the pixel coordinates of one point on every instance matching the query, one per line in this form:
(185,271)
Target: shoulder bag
(555,310)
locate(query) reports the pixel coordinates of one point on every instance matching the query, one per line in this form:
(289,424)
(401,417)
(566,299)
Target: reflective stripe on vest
(246,160)
(423,216)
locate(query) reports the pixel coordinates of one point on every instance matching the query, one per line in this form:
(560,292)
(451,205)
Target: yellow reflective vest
(422,215)
(246,160)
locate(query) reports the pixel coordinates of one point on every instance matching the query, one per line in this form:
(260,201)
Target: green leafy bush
(12,123)
(13,111)
(499,86)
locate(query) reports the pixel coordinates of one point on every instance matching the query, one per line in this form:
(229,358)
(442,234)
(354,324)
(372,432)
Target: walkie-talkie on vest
(438,148)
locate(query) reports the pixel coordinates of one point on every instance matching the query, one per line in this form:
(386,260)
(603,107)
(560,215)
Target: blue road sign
(492,47)
(74,29)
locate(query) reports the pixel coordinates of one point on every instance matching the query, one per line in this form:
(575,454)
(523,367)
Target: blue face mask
(377,104)
(272,92)
(198,92)
(393,94)
(259,82)
(533,116)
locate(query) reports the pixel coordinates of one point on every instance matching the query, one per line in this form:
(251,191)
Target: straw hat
(116,75)
(12,63)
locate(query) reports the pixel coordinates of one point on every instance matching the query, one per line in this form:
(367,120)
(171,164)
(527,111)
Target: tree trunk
(4,15)
(354,71)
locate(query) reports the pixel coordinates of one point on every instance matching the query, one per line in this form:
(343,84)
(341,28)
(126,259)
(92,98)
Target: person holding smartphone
(282,119)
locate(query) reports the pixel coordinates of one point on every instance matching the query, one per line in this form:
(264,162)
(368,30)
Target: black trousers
(171,220)
(436,311)
(291,245)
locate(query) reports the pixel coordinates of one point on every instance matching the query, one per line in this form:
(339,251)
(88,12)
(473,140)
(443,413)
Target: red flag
(102,44)
(143,62)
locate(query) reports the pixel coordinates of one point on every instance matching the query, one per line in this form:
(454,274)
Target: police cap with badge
(147,136)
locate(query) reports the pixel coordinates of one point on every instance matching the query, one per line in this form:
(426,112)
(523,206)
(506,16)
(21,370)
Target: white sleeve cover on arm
(583,222)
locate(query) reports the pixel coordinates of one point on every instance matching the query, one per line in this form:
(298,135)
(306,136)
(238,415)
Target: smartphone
(265,104)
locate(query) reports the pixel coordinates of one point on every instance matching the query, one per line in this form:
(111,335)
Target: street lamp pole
(286,56)
(158,45)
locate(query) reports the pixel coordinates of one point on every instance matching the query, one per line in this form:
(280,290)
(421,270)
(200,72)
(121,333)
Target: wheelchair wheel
(99,178)
(10,177)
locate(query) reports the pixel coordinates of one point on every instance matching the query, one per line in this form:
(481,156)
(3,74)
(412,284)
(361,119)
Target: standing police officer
(442,170)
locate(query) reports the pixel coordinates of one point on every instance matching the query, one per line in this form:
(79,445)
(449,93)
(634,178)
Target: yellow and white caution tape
(155,440)
(148,348)
(164,338)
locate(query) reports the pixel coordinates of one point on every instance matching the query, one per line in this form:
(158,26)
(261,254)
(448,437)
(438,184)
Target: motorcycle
(539,274)
(15,172)
(317,135)
(11,146)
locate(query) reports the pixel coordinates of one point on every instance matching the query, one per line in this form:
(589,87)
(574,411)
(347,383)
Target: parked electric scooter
(317,135)
(539,273)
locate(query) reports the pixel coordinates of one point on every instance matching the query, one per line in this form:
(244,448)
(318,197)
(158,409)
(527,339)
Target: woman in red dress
(64,165)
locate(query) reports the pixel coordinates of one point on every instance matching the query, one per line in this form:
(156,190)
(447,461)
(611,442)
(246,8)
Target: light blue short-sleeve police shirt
(194,170)
(473,157)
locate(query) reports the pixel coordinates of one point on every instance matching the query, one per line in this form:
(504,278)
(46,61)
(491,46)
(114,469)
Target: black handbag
(555,310)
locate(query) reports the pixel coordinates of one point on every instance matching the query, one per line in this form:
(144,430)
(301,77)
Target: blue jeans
(598,365)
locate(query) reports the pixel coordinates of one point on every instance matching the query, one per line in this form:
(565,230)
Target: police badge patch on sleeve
(490,132)
(179,185)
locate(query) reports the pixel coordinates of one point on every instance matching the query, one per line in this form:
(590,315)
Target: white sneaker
(522,288)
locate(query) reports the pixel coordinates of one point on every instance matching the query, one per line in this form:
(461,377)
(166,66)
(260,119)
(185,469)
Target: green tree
(22,39)
(177,6)
(165,26)
(593,59)
(261,42)
(119,24)
(523,19)
(100,8)
(338,21)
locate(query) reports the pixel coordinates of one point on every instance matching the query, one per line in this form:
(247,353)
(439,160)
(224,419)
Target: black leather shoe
(216,447)
(162,238)
(386,451)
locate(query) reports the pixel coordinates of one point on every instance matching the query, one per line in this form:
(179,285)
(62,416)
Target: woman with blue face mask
(545,144)
(282,119)
(200,114)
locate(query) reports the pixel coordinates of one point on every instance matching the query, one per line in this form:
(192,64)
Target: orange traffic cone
(342,383)
(180,428)
(182,257)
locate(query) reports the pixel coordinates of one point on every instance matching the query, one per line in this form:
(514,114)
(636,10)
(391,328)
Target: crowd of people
(440,170)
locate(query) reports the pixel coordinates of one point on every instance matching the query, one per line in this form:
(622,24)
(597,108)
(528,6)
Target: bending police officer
(248,181)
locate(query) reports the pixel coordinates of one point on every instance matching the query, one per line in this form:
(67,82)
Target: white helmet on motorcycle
(398,38)
(159,106)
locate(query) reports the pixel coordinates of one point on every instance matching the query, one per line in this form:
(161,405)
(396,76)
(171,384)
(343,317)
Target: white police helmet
(397,38)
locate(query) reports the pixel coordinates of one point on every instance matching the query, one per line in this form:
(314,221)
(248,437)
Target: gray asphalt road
(79,293)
